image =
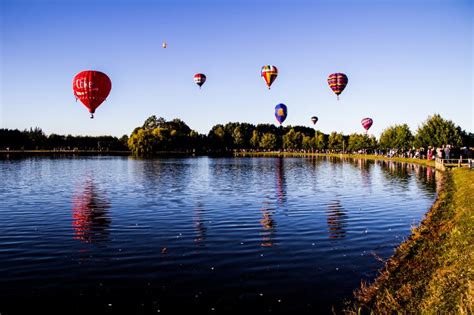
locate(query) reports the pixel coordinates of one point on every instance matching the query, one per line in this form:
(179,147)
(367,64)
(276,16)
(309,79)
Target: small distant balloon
(269,74)
(337,82)
(281,112)
(164,45)
(314,119)
(91,88)
(367,123)
(199,79)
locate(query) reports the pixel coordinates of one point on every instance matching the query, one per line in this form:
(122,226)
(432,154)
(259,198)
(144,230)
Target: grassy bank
(433,271)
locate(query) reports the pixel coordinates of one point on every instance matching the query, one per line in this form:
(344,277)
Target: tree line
(159,135)
(36,139)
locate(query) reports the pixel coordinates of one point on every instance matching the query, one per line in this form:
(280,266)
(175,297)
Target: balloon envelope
(199,79)
(269,74)
(91,88)
(337,82)
(367,123)
(314,119)
(281,112)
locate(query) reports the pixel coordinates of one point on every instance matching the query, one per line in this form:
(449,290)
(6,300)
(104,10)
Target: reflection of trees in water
(396,171)
(90,214)
(164,175)
(201,229)
(280,181)
(268,226)
(364,166)
(401,172)
(336,219)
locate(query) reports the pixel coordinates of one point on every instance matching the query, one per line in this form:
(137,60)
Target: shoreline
(433,270)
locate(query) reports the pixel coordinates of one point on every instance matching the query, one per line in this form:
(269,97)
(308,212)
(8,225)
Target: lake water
(211,235)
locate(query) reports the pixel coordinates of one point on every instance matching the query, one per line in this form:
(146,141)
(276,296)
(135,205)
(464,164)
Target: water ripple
(229,230)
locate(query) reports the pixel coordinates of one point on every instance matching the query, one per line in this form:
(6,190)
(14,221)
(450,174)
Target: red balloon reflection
(90,217)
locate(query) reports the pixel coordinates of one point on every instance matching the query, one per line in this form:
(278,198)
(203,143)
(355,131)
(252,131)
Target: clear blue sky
(405,60)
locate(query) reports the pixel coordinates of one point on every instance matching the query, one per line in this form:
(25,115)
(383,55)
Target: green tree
(357,142)
(308,143)
(335,141)
(152,122)
(238,137)
(124,141)
(397,137)
(292,140)
(255,139)
(268,141)
(162,138)
(217,137)
(319,140)
(436,132)
(142,142)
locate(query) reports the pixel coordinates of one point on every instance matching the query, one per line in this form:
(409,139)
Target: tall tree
(292,140)
(336,141)
(268,141)
(436,132)
(397,137)
(255,140)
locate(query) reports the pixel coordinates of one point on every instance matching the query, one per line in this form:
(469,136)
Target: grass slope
(432,272)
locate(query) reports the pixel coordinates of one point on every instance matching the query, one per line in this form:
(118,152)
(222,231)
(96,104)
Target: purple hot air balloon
(337,82)
(367,123)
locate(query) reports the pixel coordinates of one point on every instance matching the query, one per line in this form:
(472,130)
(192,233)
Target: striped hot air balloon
(269,74)
(314,119)
(199,79)
(337,82)
(280,113)
(367,123)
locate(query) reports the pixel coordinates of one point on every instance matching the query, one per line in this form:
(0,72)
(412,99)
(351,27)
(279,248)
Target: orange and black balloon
(269,74)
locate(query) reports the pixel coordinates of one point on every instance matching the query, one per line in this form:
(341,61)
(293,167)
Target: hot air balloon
(199,79)
(269,74)
(91,88)
(337,82)
(280,113)
(367,123)
(314,119)
(164,45)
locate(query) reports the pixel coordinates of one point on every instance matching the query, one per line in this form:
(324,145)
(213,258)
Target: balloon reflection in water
(90,215)
(201,229)
(280,181)
(336,220)
(268,225)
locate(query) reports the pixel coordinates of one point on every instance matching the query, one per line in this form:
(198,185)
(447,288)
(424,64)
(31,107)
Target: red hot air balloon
(367,123)
(337,82)
(91,88)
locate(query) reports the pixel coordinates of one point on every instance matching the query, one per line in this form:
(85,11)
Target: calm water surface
(258,235)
